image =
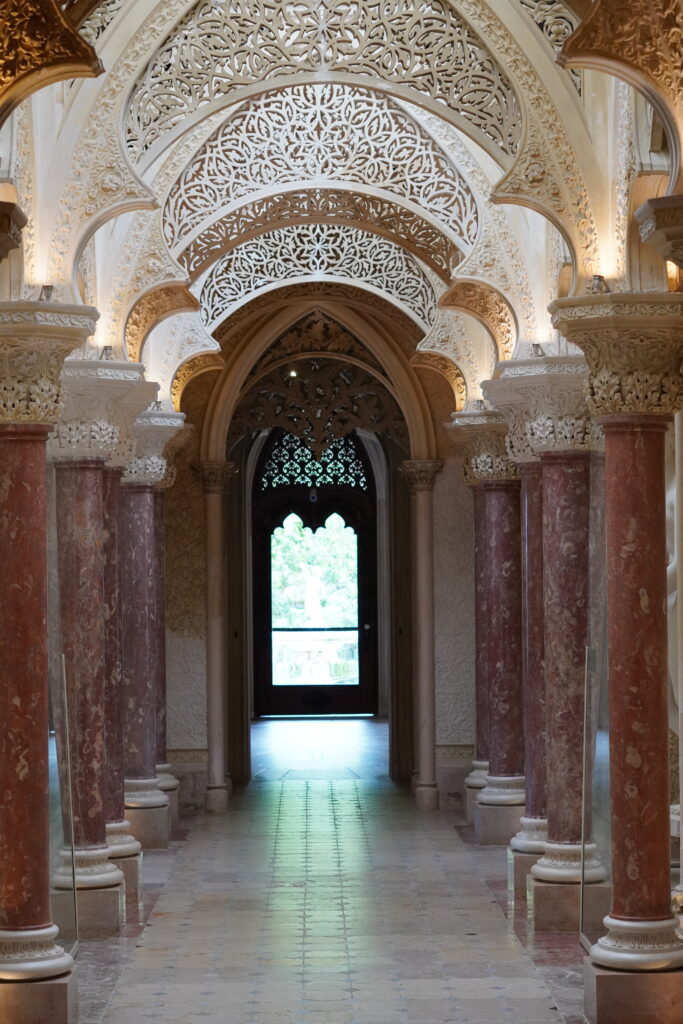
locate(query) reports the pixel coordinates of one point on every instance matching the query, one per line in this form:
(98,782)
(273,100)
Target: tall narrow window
(314,579)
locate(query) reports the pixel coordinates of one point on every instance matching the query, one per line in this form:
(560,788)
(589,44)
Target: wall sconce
(598,285)
(156,406)
(478,404)
(46,293)
(107,353)
(537,350)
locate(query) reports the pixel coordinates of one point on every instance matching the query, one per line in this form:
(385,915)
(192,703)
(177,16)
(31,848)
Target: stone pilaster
(634,348)
(216,479)
(420,475)
(35,338)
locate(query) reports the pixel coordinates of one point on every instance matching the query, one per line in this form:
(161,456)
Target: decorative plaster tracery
(194,367)
(317,250)
(490,308)
(448,369)
(150,309)
(316,133)
(96,23)
(556,22)
(224,45)
(372,213)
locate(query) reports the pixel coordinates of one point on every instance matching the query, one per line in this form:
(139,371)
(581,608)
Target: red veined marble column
(35,338)
(634,348)
(480,765)
(79,495)
(121,842)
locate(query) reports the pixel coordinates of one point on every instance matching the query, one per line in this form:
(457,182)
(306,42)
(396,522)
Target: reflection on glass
(314,604)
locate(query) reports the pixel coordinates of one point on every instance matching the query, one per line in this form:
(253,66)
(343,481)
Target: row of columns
(107,621)
(572,427)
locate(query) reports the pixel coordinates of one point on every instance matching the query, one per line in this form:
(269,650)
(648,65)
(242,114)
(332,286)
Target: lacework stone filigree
(313,133)
(222,46)
(292,464)
(317,251)
(557,22)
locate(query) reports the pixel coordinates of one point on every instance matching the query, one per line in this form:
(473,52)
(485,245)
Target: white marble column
(420,476)
(216,478)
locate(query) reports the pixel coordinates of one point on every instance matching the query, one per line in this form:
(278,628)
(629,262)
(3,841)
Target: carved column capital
(216,477)
(420,474)
(481,439)
(633,345)
(661,226)
(35,339)
(153,430)
(12,222)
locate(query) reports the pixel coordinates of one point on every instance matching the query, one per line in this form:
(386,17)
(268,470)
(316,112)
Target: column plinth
(634,348)
(35,338)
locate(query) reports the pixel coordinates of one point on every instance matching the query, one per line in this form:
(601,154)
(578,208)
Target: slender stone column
(476,780)
(634,348)
(420,476)
(121,843)
(167,782)
(79,492)
(216,478)
(35,338)
(486,461)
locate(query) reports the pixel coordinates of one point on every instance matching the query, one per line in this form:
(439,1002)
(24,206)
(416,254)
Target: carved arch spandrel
(207,362)
(150,310)
(490,308)
(38,46)
(641,42)
(446,368)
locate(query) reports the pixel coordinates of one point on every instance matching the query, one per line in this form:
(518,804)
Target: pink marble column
(566,508)
(480,765)
(167,782)
(505,780)
(121,842)
(137,573)
(532,836)
(79,490)
(25,917)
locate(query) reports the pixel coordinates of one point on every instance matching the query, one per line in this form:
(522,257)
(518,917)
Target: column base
(556,907)
(53,1000)
(143,793)
(519,866)
(495,824)
(217,799)
(120,842)
(561,862)
(503,790)
(426,797)
(152,825)
(532,837)
(89,869)
(637,946)
(170,785)
(132,872)
(32,955)
(474,782)
(631,997)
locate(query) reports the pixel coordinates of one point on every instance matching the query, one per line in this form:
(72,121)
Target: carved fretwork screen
(291,463)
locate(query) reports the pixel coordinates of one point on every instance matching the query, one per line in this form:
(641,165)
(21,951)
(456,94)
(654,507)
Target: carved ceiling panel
(319,205)
(39,45)
(150,310)
(317,251)
(490,308)
(326,400)
(222,46)
(320,133)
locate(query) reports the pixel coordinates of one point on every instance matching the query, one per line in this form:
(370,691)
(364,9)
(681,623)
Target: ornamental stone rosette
(633,344)
(480,437)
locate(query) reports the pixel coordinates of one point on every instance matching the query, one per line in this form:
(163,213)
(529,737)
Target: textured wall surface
(186,586)
(454,610)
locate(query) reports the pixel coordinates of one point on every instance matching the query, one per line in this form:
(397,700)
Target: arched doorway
(315,579)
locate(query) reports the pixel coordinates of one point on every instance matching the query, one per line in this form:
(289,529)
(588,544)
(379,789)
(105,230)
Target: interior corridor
(325,897)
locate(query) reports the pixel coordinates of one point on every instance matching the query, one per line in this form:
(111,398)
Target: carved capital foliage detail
(216,476)
(38,46)
(481,438)
(634,348)
(420,474)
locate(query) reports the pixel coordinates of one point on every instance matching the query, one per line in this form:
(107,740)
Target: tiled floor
(331,900)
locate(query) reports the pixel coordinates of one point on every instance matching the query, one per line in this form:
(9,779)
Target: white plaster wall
(186,692)
(453,607)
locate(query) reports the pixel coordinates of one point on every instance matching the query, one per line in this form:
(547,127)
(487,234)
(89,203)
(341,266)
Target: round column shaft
(480,765)
(79,489)
(167,782)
